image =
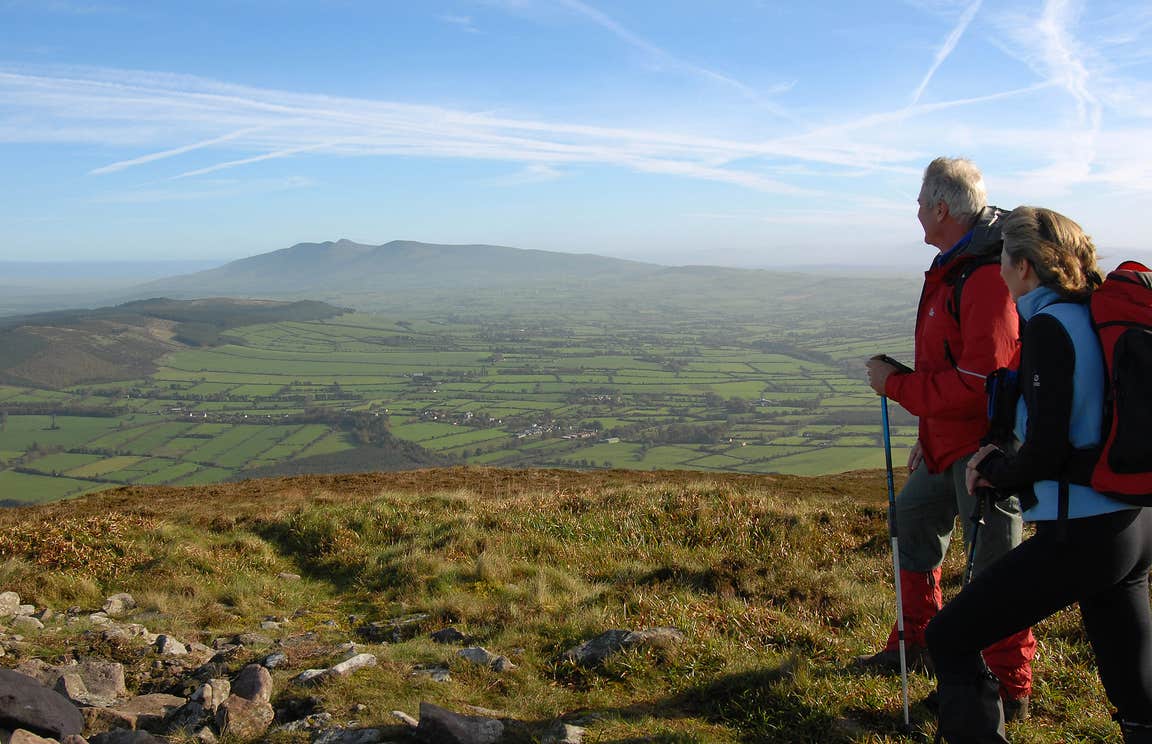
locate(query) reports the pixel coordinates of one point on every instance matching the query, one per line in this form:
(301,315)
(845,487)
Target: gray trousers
(926,511)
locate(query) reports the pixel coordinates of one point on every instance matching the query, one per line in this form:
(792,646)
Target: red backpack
(1122,315)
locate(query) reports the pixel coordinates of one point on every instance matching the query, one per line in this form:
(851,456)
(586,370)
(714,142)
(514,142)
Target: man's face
(928,214)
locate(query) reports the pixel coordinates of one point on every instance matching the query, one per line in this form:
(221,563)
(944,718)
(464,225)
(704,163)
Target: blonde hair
(958,183)
(1061,254)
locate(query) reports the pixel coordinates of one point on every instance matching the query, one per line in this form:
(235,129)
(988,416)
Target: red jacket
(947,389)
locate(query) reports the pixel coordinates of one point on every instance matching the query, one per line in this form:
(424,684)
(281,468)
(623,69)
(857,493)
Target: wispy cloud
(121,165)
(461,22)
(172,117)
(947,47)
(667,59)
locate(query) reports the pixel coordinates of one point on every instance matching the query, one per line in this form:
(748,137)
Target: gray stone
(275,660)
(212,693)
(254,683)
(243,718)
(396,630)
(448,635)
(118,604)
(20,736)
(99,618)
(405,718)
(314,722)
(285,576)
(659,638)
(310,676)
(45,615)
(340,735)
(124,736)
(502,664)
(562,733)
(345,668)
(205,736)
(30,705)
(434,673)
(269,625)
(9,603)
(477,655)
(25,623)
(26,609)
(100,720)
(151,710)
(189,717)
(253,639)
(442,726)
(104,679)
(39,670)
(71,685)
(597,649)
(169,646)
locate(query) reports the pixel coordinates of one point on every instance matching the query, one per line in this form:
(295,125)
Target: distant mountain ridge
(344,265)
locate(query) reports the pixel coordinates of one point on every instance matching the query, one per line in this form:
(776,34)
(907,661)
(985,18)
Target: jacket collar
(1033,302)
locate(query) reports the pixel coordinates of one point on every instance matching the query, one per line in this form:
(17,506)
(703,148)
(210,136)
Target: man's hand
(878,372)
(915,457)
(972,477)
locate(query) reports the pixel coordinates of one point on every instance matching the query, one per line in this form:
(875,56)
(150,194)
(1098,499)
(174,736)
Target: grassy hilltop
(776,581)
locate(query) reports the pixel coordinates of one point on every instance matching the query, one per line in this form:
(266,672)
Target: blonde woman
(1088,548)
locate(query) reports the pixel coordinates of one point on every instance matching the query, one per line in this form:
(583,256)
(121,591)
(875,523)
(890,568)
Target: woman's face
(1016,275)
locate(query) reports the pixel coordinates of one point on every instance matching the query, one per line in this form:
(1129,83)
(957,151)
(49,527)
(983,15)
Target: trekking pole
(893,532)
(977,518)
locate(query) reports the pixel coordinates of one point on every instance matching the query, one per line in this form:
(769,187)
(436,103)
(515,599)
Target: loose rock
(33,707)
(443,726)
(254,683)
(169,646)
(275,660)
(448,635)
(562,733)
(20,736)
(25,623)
(483,657)
(341,735)
(9,603)
(118,604)
(345,668)
(152,710)
(244,718)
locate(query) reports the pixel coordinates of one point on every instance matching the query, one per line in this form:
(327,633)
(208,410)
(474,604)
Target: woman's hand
(972,477)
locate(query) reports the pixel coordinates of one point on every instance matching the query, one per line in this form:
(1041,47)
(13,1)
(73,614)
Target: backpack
(1121,466)
(985,246)
(1122,316)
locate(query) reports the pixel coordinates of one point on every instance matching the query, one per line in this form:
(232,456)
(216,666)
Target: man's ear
(941,211)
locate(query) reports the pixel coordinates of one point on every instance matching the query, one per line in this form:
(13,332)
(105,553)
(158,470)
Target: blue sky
(739,132)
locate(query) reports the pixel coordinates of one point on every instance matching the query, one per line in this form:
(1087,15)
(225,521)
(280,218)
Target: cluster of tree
(58,409)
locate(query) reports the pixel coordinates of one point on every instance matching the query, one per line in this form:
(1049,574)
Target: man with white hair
(966,327)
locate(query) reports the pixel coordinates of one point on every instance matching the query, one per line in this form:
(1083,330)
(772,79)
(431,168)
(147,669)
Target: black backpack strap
(961,276)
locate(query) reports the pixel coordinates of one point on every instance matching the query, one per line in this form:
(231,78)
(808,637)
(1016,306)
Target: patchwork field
(711,388)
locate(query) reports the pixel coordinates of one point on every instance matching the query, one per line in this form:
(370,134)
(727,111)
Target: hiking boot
(1018,709)
(888,661)
(971,712)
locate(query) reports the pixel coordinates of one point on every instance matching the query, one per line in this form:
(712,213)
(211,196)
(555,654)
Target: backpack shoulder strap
(961,276)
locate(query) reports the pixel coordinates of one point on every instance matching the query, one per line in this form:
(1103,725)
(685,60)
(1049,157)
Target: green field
(744,384)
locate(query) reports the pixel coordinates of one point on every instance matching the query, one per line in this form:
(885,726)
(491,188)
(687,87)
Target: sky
(729,132)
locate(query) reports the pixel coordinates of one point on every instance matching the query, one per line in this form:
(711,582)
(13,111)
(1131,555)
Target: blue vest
(1088,383)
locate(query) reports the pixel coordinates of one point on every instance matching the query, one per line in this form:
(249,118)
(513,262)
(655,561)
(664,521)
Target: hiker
(966,327)
(1100,553)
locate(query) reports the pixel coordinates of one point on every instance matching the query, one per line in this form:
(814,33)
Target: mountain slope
(343,265)
(774,582)
(61,348)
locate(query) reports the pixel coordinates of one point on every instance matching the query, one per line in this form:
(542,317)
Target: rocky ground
(250,686)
